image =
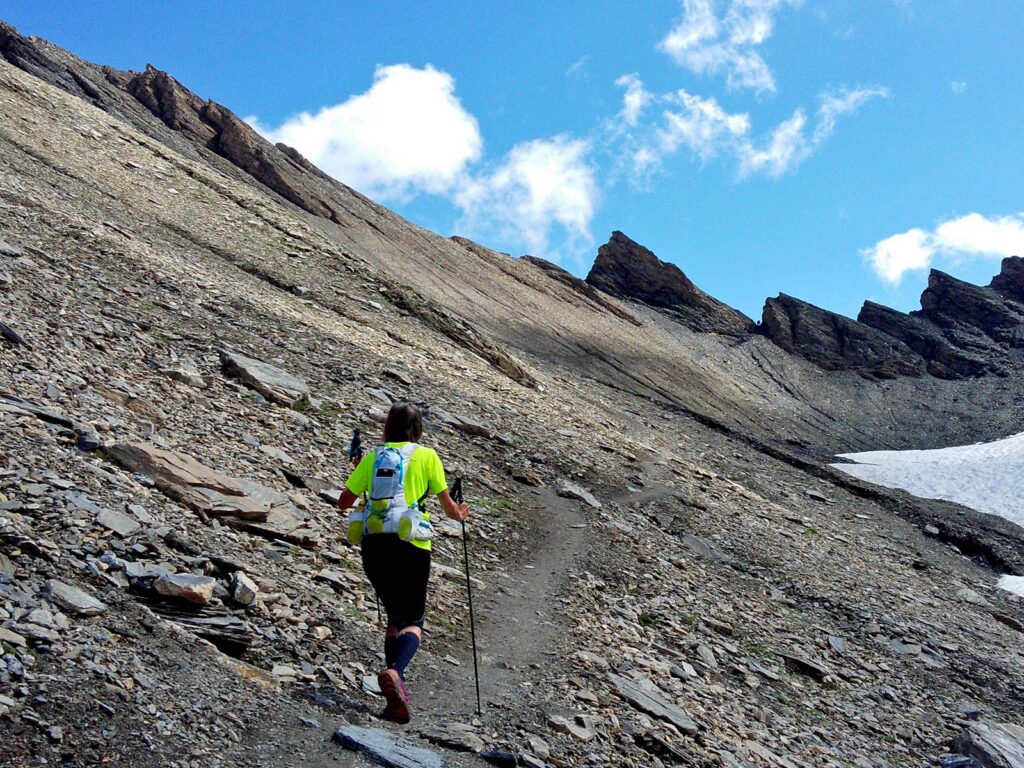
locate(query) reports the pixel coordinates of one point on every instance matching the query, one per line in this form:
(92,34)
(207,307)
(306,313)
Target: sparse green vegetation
(649,620)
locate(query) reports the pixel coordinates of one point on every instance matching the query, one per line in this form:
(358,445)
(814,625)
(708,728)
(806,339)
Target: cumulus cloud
(540,187)
(958,86)
(968,237)
(708,42)
(703,126)
(892,257)
(408,133)
(845,102)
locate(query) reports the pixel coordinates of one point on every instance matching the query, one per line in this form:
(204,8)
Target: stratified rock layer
(835,342)
(961,331)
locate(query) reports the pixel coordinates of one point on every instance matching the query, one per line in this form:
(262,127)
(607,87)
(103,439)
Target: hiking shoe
(397,697)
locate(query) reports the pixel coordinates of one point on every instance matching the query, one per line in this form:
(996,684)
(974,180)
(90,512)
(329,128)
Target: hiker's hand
(346,500)
(455,511)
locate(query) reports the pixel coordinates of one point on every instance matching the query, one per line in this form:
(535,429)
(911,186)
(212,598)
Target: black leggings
(399,572)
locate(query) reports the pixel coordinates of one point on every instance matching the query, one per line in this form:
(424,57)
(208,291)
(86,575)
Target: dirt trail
(516,617)
(516,613)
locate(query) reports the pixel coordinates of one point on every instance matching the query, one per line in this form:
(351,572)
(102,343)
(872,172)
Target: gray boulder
(73,599)
(570,490)
(994,745)
(645,698)
(627,270)
(241,503)
(273,383)
(385,749)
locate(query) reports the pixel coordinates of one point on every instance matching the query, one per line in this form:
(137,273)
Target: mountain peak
(627,270)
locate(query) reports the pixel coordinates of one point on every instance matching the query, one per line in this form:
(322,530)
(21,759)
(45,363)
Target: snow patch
(985,477)
(1013,584)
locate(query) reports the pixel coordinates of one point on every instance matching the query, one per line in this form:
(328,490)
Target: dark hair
(404,424)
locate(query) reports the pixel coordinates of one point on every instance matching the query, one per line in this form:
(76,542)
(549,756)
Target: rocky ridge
(961,331)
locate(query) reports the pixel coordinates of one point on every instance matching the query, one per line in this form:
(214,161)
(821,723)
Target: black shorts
(399,572)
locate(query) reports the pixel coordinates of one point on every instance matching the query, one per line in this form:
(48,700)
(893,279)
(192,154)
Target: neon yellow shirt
(424,474)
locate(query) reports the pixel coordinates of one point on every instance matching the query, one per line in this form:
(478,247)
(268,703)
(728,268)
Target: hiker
(394,532)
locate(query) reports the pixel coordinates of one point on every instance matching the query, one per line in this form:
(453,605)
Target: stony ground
(710,604)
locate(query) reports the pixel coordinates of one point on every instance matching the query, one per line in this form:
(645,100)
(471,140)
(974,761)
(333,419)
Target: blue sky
(832,150)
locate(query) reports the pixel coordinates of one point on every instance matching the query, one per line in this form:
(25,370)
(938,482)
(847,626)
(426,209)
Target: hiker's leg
(411,608)
(377,554)
(390,645)
(406,645)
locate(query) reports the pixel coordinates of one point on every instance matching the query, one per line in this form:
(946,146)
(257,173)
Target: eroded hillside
(720,599)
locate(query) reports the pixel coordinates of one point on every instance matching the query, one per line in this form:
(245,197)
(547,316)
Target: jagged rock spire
(627,270)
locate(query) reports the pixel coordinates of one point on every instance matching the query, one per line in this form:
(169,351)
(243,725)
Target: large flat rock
(273,383)
(994,745)
(385,749)
(242,503)
(654,704)
(74,600)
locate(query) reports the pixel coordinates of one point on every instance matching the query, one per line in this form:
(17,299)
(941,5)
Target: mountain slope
(511,312)
(774,612)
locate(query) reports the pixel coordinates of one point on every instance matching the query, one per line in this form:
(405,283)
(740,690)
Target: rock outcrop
(274,384)
(627,270)
(238,502)
(962,309)
(1010,280)
(834,342)
(962,331)
(994,745)
(945,359)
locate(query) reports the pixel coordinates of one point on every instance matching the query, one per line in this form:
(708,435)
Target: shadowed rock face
(951,303)
(834,342)
(945,359)
(961,331)
(627,270)
(1010,280)
(279,167)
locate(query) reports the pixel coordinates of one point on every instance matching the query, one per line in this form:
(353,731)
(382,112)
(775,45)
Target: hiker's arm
(346,500)
(455,511)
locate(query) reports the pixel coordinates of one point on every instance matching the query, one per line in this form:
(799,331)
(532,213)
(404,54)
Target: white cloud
(975,234)
(896,255)
(408,133)
(958,86)
(787,147)
(968,237)
(845,102)
(790,143)
(634,100)
(704,127)
(708,43)
(699,124)
(577,67)
(540,186)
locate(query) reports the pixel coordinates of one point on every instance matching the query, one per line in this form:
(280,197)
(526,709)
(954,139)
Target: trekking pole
(456,494)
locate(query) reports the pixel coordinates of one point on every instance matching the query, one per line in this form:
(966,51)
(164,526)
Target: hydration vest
(386,510)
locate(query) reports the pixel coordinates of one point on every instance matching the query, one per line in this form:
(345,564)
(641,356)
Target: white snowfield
(988,477)
(1013,584)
